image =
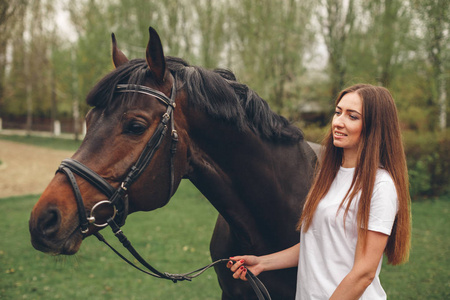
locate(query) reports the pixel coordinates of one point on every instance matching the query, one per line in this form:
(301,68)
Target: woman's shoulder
(383,176)
(384,202)
(384,184)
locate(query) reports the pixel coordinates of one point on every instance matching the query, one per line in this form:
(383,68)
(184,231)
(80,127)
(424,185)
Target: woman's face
(347,123)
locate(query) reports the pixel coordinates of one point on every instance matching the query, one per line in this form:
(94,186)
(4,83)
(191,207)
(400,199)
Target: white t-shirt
(327,249)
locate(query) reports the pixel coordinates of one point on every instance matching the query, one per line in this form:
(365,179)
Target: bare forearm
(284,259)
(352,287)
(364,268)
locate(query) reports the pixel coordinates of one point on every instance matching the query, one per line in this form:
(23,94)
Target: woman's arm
(284,259)
(364,268)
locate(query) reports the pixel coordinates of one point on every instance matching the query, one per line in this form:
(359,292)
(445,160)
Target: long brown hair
(380,145)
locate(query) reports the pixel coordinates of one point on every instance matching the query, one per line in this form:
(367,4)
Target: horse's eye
(135,128)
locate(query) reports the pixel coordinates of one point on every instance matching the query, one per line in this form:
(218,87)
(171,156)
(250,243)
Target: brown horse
(251,164)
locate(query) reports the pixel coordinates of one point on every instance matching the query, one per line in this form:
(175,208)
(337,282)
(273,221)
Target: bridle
(118,197)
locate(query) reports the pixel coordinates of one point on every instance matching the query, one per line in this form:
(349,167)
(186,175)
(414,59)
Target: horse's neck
(252,183)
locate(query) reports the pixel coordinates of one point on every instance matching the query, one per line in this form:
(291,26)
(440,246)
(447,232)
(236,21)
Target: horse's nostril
(50,222)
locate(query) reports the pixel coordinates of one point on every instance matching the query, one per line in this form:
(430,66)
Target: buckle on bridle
(92,220)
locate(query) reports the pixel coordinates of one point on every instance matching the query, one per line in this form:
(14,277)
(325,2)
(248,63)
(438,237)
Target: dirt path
(27,169)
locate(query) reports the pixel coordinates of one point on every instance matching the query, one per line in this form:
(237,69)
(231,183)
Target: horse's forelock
(103,94)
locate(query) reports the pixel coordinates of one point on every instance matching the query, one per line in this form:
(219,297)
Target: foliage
(434,17)
(268,55)
(416,118)
(315,134)
(428,162)
(292,53)
(181,246)
(10,13)
(337,23)
(91,24)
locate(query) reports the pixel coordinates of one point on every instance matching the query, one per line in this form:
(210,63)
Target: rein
(118,198)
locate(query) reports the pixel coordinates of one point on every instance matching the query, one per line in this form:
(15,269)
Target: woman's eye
(353,117)
(135,128)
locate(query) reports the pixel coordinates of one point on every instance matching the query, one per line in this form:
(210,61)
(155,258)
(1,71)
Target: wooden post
(57,128)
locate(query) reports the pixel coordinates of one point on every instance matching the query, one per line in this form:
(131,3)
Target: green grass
(48,142)
(427,275)
(174,239)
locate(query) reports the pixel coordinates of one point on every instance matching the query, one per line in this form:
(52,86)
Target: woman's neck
(349,159)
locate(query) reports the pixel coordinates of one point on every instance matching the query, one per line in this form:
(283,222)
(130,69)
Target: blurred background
(297,55)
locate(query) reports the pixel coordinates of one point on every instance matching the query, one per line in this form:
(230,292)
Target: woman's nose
(337,121)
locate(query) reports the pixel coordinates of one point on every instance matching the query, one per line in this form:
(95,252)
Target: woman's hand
(287,258)
(239,265)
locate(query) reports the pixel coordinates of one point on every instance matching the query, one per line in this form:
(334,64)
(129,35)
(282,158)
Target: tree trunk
(29,91)
(442,99)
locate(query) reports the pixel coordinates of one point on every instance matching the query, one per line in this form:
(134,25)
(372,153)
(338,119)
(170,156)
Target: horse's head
(127,157)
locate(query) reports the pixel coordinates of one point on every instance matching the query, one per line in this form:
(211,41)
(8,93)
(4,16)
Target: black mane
(215,92)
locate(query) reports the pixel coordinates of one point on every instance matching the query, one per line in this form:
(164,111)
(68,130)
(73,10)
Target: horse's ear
(118,57)
(155,56)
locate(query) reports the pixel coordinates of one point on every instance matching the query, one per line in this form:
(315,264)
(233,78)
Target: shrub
(428,160)
(416,118)
(419,177)
(314,133)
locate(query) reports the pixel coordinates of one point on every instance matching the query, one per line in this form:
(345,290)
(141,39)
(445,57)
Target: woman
(357,208)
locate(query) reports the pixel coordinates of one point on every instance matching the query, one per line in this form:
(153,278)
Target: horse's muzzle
(47,236)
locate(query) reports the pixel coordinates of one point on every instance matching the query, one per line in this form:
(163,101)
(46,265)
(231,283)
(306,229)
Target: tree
(173,19)
(337,20)
(37,60)
(435,17)
(269,41)
(387,34)
(213,34)
(27,77)
(91,56)
(11,12)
